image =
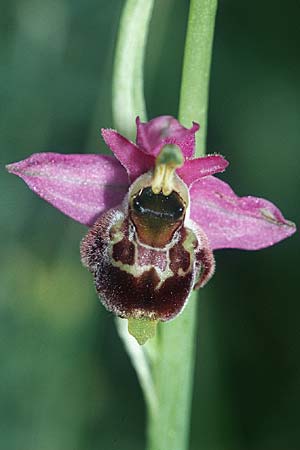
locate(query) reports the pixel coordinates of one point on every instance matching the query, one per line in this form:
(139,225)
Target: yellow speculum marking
(168,160)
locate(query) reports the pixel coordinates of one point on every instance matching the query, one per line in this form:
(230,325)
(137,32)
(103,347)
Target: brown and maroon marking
(122,292)
(130,296)
(124,251)
(136,292)
(180,258)
(95,244)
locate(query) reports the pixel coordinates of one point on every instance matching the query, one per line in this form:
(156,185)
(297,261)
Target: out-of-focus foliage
(65,381)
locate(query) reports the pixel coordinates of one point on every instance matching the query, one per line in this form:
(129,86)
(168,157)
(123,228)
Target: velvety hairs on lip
(155,214)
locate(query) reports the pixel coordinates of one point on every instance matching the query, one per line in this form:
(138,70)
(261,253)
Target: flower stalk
(174,367)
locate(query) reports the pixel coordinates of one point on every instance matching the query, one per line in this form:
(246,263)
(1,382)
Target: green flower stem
(128,86)
(174,367)
(196,68)
(168,428)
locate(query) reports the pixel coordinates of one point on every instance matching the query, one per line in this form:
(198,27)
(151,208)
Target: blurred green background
(65,380)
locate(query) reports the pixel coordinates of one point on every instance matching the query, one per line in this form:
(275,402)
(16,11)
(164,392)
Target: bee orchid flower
(155,213)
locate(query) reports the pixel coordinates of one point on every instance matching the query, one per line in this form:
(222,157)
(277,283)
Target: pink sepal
(230,221)
(81,186)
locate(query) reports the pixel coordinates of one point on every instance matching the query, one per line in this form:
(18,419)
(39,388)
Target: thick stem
(169,427)
(173,369)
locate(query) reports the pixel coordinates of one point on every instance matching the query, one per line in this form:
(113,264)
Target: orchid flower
(155,215)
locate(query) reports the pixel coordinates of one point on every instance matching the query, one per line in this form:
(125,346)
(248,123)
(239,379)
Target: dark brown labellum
(145,261)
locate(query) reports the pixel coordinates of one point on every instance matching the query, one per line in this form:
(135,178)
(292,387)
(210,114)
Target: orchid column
(167,374)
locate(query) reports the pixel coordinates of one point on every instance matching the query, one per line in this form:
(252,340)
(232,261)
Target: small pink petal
(194,169)
(130,156)
(153,135)
(81,186)
(229,221)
